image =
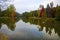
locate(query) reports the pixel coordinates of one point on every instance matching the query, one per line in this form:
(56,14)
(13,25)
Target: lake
(29,29)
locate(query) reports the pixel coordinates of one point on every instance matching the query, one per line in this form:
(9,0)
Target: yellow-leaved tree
(12,10)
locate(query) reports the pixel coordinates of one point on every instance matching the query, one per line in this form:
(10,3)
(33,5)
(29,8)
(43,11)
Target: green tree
(3,6)
(51,4)
(58,13)
(12,10)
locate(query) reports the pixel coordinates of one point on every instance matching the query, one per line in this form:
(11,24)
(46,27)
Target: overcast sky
(28,5)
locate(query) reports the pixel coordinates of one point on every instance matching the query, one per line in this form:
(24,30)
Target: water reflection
(29,29)
(49,25)
(10,22)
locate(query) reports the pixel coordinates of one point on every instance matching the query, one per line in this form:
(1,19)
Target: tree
(51,4)
(12,10)
(3,6)
(58,13)
(48,10)
(42,10)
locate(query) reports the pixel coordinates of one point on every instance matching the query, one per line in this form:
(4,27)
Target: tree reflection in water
(49,25)
(10,22)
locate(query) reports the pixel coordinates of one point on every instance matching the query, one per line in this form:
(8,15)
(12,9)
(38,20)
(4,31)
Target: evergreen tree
(48,10)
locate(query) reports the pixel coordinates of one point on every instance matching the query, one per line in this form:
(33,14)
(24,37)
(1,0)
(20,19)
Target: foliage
(30,14)
(58,13)
(9,12)
(11,8)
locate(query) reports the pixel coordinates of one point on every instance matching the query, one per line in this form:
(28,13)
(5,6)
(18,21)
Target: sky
(29,5)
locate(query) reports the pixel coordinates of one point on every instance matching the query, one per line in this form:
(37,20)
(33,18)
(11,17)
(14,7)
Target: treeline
(9,12)
(30,14)
(50,12)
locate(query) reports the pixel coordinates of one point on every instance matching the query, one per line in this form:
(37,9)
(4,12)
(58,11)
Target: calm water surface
(29,29)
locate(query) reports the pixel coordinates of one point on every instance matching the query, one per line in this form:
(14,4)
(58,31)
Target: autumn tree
(42,10)
(12,10)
